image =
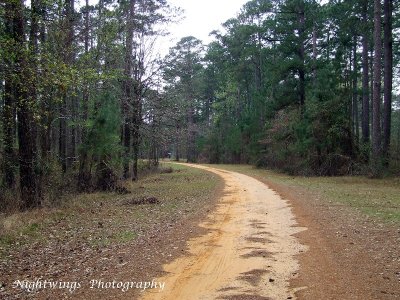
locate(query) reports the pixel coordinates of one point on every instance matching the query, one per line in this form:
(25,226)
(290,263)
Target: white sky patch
(200,18)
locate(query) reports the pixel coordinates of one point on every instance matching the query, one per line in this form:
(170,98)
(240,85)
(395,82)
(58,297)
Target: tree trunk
(127,144)
(9,112)
(365,80)
(26,122)
(191,148)
(190,153)
(190,135)
(302,91)
(371,92)
(68,57)
(376,108)
(136,123)
(71,100)
(177,144)
(314,53)
(388,77)
(44,128)
(63,134)
(33,93)
(84,176)
(127,85)
(135,160)
(355,93)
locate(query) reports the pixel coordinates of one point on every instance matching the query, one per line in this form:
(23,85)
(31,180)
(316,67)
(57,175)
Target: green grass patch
(122,237)
(6,240)
(100,242)
(379,198)
(31,229)
(125,236)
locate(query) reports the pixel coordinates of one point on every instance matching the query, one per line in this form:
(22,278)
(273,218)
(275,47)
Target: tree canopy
(303,86)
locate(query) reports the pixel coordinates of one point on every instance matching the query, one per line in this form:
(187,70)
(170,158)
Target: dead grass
(100,218)
(95,236)
(379,198)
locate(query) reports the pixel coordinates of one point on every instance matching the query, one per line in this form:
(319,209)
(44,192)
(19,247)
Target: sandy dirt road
(248,253)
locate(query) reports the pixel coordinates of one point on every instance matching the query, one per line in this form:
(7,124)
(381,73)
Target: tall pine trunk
(302,90)
(191,155)
(127,86)
(136,121)
(376,104)
(365,76)
(25,115)
(9,103)
(44,128)
(33,88)
(84,176)
(66,147)
(71,99)
(388,78)
(314,54)
(355,93)
(177,142)
(191,147)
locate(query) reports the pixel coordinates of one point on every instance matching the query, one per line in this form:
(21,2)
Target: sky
(200,18)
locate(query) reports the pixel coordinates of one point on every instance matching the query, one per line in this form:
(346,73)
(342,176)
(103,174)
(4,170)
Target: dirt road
(249,252)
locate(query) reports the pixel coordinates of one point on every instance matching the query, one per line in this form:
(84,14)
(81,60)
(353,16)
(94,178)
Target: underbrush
(56,187)
(104,218)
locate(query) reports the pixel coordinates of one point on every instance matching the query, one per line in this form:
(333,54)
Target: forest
(305,87)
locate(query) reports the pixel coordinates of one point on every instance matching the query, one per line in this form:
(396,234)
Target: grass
(125,236)
(379,198)
(118,238)
(6,240)
(101,219)
(31,229)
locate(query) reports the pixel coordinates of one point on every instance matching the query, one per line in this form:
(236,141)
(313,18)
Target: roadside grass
(102,219)
(378,198)
(118,238)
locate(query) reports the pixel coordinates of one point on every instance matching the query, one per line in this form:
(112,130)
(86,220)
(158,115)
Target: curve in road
(249,251)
